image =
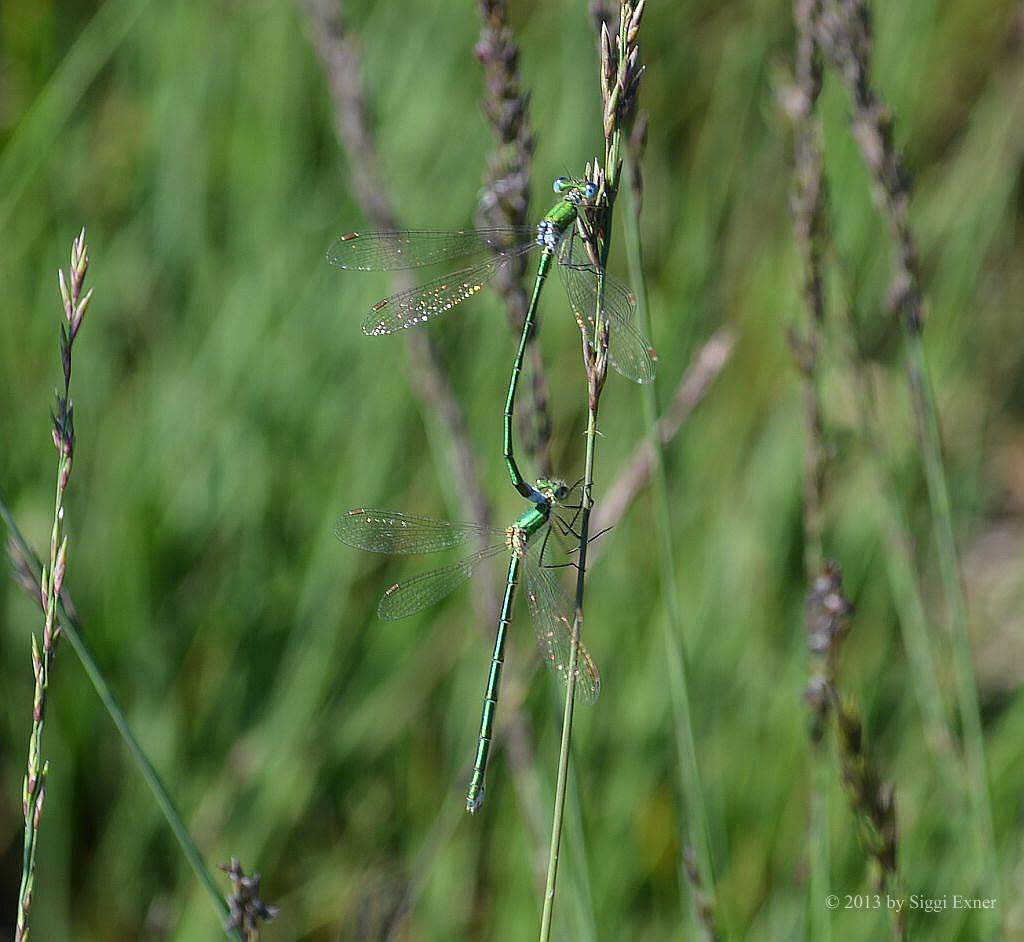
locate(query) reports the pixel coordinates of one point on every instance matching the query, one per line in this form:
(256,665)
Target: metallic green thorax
(532,520)
(563,213)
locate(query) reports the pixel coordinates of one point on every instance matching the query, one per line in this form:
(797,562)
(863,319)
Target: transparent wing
(388,531)
(628,349)
(415,248)
(421,304)
(552,612)
(420,592)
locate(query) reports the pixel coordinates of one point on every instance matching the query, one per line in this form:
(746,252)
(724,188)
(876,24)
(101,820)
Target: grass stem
(846,39)
(808,205)
(74,307)
(672,623)
(71,627)
(926,415)
(620,72)
(904,583)
(570,687)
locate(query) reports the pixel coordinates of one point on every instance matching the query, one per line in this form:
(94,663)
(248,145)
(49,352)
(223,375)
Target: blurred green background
(228,409)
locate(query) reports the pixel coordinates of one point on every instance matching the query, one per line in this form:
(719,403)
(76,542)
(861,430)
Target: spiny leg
(566,528)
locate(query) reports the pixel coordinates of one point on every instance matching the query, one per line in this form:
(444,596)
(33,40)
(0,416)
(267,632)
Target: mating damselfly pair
(597,300)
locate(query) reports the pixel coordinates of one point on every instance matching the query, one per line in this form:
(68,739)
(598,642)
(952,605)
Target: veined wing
(420,592)
(629,352)
(416,248)
(427,301)
(388,531)
(552,613)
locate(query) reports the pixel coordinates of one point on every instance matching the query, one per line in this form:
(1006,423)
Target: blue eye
(590,191)
(562,493)
(560,184)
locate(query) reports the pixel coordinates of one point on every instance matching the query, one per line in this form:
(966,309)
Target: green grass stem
(926,415)
(570,687)
(71,627)
(672,623)
(902,572)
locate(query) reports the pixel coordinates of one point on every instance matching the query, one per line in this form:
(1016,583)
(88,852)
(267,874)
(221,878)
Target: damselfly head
(554,490)
(574,190)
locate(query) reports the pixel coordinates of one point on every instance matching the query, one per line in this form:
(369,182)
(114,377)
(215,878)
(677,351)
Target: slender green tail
(518,481)
(475,795)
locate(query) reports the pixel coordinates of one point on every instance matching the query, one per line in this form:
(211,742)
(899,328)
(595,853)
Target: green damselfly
(525,542)
(486,251)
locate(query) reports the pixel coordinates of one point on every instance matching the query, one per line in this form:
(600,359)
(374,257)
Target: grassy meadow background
(229,409)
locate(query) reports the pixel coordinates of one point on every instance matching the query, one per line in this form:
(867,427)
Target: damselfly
(485,252)
(525,542)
